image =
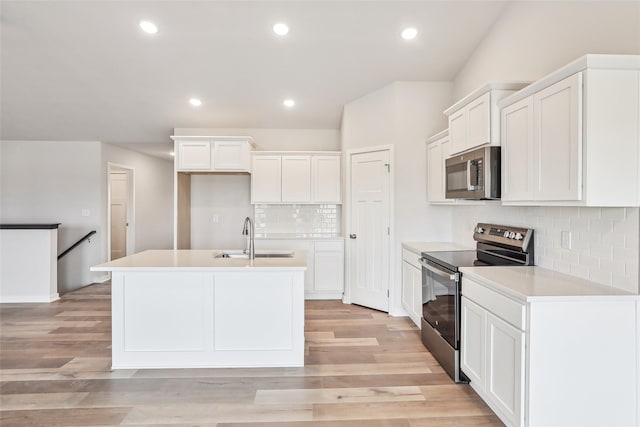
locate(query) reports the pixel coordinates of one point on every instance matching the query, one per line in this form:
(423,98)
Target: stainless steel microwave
(474,175)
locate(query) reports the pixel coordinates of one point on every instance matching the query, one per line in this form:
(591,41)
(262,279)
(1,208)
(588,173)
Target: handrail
(86,237)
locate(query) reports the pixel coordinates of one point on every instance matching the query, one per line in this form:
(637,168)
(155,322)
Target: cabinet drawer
(411,258)
(332,246)
(507,309)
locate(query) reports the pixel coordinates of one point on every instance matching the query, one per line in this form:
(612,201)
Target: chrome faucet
(247,230)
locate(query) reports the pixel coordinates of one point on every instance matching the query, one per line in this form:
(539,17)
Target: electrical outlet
(216,218)
(86,212)
(565,239)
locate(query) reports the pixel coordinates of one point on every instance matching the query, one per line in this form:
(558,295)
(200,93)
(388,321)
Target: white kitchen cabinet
(266,179)
(505,368)
(492,350)
(473,328)
(194,155)
(213,153)
(412,285)
(518,151)
(529,346)
(231,155)
(474,121)
(438,149)
(324,278)
(329,268)
(325,177)
(572,138)
(296,179)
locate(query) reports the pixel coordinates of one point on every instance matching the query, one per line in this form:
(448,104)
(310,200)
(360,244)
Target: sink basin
(259,254)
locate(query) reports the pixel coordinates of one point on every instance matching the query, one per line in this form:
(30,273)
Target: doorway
(369,227)
(120,211)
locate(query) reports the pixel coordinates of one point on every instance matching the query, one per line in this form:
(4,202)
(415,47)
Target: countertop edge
(509,292)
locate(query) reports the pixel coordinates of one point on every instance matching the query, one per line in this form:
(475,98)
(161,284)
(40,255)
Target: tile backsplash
(597,244)
(298,219)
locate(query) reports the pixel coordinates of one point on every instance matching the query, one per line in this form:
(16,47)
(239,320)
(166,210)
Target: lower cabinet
(412,285)
(536,362)
(324,278)
(493,358)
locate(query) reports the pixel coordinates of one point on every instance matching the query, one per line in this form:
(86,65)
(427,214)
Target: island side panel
(201,319)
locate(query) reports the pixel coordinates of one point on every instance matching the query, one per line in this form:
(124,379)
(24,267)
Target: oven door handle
(438,272)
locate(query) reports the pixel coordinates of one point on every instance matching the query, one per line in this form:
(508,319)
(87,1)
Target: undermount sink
(259,254)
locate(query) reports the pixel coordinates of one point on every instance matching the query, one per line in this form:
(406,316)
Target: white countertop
(419,247)
(200,260)
(539,284)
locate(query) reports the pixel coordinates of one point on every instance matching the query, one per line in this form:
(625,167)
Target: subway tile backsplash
(298,219)
(600,244)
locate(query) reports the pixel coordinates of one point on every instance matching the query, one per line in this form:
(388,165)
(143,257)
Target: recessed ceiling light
(289,103)
(281,29)
(195,102)
(409,33)
(148,27)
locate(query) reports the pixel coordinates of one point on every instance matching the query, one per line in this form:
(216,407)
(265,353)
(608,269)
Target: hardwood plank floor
(362,369)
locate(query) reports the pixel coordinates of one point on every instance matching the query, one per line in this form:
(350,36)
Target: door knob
(352,236)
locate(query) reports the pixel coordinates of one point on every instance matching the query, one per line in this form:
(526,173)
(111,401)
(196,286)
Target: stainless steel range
(496,245)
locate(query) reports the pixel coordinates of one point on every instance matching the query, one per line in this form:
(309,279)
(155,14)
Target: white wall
(403,114)
(533,38)
(54,182)
(153,178)
(225,197)
(530,40)
(276,139)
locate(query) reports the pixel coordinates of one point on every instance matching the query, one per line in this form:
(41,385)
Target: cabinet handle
(352,236)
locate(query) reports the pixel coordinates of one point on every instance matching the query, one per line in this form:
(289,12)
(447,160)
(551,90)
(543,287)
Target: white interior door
(369,229)
(119,185)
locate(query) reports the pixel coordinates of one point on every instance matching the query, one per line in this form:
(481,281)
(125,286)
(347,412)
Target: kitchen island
(195,309)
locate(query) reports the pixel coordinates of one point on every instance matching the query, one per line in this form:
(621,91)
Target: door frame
(347,220)
(131,206)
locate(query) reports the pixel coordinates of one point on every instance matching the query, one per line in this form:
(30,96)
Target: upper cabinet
(295,177)
(572,137)
(438,149)
(213,153)
(475,120)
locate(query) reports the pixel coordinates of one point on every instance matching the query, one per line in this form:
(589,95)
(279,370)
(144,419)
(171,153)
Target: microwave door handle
(469,187)
(437,272)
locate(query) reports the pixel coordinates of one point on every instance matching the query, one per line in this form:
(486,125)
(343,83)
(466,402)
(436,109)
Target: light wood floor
(362,369)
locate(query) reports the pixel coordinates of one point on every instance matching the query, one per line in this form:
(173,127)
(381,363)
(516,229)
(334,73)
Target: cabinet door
(458,131)
(435,172)
(194,155)
(558,140)
(505,368)
(266,179)
(329,271)
(472,342)
(231,156)
(325,177)
(296,179)
(407,287)
(479,121)
(518,172)
(417,295)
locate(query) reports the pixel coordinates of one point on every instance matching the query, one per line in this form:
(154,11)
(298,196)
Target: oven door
(440,299)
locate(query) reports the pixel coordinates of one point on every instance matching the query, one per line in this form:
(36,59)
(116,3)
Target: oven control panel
(506,235)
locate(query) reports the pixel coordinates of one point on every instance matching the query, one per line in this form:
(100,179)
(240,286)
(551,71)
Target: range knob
(519,236)
(506,234)
(479,230)
(512,235)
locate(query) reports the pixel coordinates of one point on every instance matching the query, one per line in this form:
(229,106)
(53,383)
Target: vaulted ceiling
(84,70)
